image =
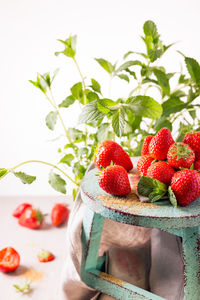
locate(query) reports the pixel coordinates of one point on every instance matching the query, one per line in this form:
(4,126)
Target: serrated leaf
(95,86)
(90,113)
(161,123)
(25,178)
(172,105)
(51,119)
(67,159)
(154,54)
(150,29)
(193,68)
(57,182)
(77,90)
(172,197)
(3,171)
(151,188)
(163,80)
(178,94)
(102,132)
(91,96)
(128,64)
(106,65)
(145,106)
(67,101)
(118,122)
(123,76)
(75,134)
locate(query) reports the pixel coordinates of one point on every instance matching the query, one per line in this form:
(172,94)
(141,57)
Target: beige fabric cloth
(148,258)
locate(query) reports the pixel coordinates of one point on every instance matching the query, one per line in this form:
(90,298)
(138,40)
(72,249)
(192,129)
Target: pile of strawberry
(165,167)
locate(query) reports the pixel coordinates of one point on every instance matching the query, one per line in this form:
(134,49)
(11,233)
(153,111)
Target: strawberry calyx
(39,216)
(24,288)
(181,151)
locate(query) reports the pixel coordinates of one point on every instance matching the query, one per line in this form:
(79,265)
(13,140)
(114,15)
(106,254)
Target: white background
(29,30)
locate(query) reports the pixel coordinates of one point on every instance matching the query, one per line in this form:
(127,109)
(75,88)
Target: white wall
(106,28)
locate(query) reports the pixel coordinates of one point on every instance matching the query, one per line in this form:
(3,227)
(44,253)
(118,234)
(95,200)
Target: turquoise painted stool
(182,221)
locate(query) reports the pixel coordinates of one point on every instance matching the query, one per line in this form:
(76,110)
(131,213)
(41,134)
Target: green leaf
(150,29)
(57,182)
(145,106)
(67,101)
(91,96)
(106,65)
(90,113)
(79,170)
(77,90)
(82,151)
(161,123)
(128,64)
(75,134)
(3,171)
(178,94)
(74,193)
(154,54)
(193,68)
(172,105)
(102,132)
(151,188)
(163,80)
(118,122)
(51,119)
(193,114)
(172,197)
(70,47)
(67,159)
(124,77)
(25,178)
(95,86)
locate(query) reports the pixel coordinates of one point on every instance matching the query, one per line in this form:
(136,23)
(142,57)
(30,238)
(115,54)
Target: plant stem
(41,162)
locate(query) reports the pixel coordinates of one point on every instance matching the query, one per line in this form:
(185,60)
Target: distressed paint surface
(183,222)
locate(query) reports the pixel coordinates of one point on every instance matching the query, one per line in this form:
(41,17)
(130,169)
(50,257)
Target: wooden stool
(182,221)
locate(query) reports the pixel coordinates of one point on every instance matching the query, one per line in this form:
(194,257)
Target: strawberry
(145,146)
(32,218)
(160,143)
(9,259)
(186,186)
(161,171)
(59,214)
(143,164)
(111,151)
(114,180)
(20,209)
(197,165)
(45,256)
(193,140)
(180,155)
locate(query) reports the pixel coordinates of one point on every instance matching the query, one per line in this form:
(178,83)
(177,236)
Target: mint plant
(127,119)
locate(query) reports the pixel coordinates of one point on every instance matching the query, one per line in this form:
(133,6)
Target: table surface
(127,209)
(44,276)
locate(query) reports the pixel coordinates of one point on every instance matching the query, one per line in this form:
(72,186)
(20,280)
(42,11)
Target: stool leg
(191,242)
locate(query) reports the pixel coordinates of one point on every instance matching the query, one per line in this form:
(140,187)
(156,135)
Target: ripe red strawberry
(111,151)
(45,256)
(114,180)
(186,186)
(145,146)
(197,165)
(160,144)
(180,155)
(161,171)
(143,164)
(31,218)
(59,214)
(20,209)
(9,259)
(193,140)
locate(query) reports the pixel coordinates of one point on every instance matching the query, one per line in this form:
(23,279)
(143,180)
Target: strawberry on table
(145,146)
(193,140)
(197,165)
(32,218)
(114,180)
(186,186)
(9,259)
(45,256)
(161,171)
(111,151)
(180,155)
(59,214)
(160,143)
(143,164)
(20,209)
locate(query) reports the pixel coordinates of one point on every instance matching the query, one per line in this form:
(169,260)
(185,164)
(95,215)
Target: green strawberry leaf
(67,101)
(57,182)
(95,86)
(193,68)
(67,159)
(90,113)
(25,178)
(106,65)
(51,119)
(151,188)
(172,197)
(145,106)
